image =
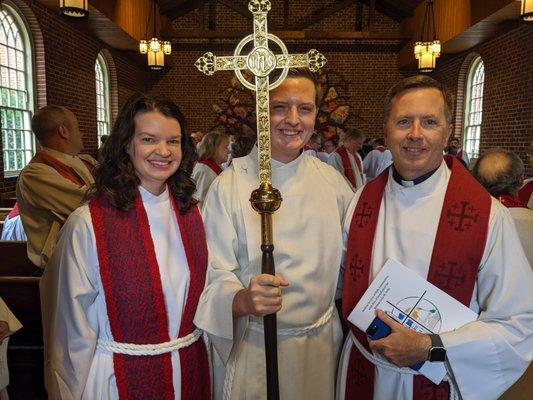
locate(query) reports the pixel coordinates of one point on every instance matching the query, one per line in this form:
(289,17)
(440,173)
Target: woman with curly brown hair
(121,290)
(213,150)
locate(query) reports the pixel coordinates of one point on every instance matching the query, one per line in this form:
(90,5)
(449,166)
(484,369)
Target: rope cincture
(258,327)
(149,349)
(380,362)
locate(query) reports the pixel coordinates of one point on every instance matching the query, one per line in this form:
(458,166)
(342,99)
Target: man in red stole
(54,182)
(501,172)
(434,218)
(347,161)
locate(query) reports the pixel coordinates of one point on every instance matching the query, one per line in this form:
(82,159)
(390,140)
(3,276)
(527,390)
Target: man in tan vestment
(54,182)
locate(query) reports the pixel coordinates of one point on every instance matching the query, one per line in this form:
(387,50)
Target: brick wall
(508,90)
(69,56)
(369,67)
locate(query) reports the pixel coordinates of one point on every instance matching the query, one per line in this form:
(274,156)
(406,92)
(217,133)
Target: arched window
(474,107)
(103,114)
(16,91)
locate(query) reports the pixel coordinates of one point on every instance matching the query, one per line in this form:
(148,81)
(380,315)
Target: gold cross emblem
(261,61)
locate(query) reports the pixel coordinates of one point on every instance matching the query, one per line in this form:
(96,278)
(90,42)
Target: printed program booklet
(413,302)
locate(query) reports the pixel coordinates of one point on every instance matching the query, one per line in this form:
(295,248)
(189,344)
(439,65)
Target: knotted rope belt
(258,327)
(149,349)
(380,362)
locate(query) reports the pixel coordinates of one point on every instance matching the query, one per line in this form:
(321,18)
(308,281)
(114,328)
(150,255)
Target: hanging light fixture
(74,8)
(526,11)
(427,50)
(154,48)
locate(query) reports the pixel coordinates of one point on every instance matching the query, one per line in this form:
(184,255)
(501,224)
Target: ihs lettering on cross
(261,61)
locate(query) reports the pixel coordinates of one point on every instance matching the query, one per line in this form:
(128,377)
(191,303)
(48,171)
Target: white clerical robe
(335,161)
(13,229)
(204,176)
(375,163)
(523,220)
(74,305)
(487,355)
(307,235)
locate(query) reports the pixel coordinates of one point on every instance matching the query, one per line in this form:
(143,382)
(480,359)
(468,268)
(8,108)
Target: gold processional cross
(261,61)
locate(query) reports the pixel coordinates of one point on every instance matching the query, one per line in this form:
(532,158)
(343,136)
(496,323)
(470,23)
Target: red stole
(135,302)
(213,165)
(525,192)
(346,164)
(457,252)
(381,149)
(511,201)
(64,170)
(14,212)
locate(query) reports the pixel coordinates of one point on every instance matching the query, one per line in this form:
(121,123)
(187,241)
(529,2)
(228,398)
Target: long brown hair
(116,178)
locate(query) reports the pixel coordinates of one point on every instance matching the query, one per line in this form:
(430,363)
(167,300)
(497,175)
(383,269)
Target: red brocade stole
(64,170)
(136,305)
(457,253)
(14,212)
(346,164)
(525,192)
(213,165)
(511,201)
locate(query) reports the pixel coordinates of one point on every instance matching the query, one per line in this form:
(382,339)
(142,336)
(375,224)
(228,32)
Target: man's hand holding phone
(400,345)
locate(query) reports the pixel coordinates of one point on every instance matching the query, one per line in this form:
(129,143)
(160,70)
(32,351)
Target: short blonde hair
(208,146)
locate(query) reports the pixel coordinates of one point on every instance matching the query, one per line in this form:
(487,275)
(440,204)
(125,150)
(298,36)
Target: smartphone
(379,329)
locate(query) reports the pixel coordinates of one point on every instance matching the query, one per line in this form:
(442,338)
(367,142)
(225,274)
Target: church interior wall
(369,68)
(508,90)
(70,53)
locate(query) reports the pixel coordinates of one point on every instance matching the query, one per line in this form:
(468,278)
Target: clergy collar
(399,179)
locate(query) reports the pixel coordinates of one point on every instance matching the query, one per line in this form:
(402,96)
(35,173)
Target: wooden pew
(19,288)
(8,199)
(4,211)
(3,214)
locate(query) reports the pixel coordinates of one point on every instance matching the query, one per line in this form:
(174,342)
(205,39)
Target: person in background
(347,160)
(55,181)
(377,160)
(526,192)
(314,144)
(213,151)
(501,172)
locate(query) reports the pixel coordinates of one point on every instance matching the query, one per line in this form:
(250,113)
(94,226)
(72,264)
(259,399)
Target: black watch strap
(437,352)
(436,341)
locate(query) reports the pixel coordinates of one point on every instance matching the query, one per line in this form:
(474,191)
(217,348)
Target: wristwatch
(437,352)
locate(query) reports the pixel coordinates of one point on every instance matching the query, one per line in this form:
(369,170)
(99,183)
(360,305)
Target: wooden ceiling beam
(286,34)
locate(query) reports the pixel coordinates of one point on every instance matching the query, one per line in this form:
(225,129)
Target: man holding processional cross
(306,227)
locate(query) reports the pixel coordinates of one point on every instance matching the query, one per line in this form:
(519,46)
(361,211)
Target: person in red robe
(126,276)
